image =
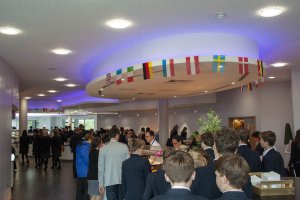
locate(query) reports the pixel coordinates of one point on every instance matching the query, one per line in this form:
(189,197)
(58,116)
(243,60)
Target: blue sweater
(82,159)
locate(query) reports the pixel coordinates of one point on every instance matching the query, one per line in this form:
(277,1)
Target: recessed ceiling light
(60,79)
(61,51)
(52,91)
(123,79)
(206,91)
(232,83)
(71,85)
(279,64)
(10,30)
(59,100)
(41,95)
(133,98)
(118,23)
(220,15)
(101,89)
(102,95)
(270,11)
(175,96)
(272,77)
(27,97)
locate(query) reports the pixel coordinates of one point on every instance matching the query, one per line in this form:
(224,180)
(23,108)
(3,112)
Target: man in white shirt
(154,146)
(110,162)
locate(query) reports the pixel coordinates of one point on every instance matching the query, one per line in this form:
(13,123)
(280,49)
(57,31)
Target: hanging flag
(192,68)
(147,70)
(108,79)
(260,68)
(249,87)
(243,65)
(168,68)
(242,88)
(129,74)
(262,81)
(218,63)
(257,83)
(119,76)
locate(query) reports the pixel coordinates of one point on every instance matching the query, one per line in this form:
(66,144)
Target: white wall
(9,89)
(271,105)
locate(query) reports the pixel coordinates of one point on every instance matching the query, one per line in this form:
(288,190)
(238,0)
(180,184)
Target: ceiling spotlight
(270,11)
(27,97)
(272,77)
(175,96)
(232,83)
(10,30)
(60,79)
(220,15)
(206,91)
(101,89)
(59,100)
(41,95)
(279,64)
(118,23)
(52,91)
(61,51)
(133,98)
(102,95)
(71,85)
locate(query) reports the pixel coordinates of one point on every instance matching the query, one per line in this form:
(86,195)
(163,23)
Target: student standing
(295,153)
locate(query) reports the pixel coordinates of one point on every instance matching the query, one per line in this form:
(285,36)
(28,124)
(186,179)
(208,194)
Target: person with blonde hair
(200,157)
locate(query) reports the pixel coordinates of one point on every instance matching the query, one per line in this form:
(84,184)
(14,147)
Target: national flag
(243,65)
(192,68)
(108,79)
(218,63)
(260,68)
(119,76)
(249,87)
(147,70)
(242,88)
(129,74)
(168,68)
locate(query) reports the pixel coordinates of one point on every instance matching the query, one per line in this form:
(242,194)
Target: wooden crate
(284,187)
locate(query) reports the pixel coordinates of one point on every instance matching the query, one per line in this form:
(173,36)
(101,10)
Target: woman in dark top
(92,177)
(36,147)
(57,146)
(135,171)
(183,133)
(24,145)
(295,153)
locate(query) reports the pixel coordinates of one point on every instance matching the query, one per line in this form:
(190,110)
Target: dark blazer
(273,161)
(93,165)
(211,153)
(156,185)
(205,183)
(234,196)
(251,157)
(134,175)
(24,144)
(178,194)
(259,149)
(295,158)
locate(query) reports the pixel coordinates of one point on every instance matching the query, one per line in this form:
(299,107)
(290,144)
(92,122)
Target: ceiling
(80,26)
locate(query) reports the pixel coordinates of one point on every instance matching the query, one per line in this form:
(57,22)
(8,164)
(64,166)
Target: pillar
(163,121)
(295,82)
(22,115)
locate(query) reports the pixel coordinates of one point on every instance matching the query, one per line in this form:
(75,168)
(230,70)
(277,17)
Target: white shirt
(180,187)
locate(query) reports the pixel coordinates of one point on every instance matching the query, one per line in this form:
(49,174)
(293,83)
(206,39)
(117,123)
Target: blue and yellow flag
(218,63)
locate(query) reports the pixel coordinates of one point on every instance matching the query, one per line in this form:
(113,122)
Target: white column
(22,115)
(163,121)
(295,79)
(70,121)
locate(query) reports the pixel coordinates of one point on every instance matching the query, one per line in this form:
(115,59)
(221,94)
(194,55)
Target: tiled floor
(33,184)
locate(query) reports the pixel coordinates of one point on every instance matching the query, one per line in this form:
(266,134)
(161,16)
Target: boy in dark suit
(179,168)
(207,142)
(250,156)
(231,176)
(272,160)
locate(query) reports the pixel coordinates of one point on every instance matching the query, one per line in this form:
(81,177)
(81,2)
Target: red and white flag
(243,65)
(192,67)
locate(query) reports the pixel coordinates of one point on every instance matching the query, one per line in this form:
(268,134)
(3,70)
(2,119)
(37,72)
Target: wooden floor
(31,183)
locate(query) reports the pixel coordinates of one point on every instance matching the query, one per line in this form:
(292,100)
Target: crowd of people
(119,164)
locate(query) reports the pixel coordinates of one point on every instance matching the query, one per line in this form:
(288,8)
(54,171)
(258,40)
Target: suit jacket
(156,185)
(259,149)
(135,171)
(234,196)
(110,162)
(211,153)
(205,183)
(178,194)
(251,157)
(273,161)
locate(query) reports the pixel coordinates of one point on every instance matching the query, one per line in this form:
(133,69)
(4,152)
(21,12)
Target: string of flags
(39,110)
(193,67)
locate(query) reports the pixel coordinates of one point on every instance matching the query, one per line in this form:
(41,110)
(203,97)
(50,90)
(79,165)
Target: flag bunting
(147,70)
(119,76)
(192,68)
(108,79)
(130,74)
(218,63)
(243,65)
(168,68)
